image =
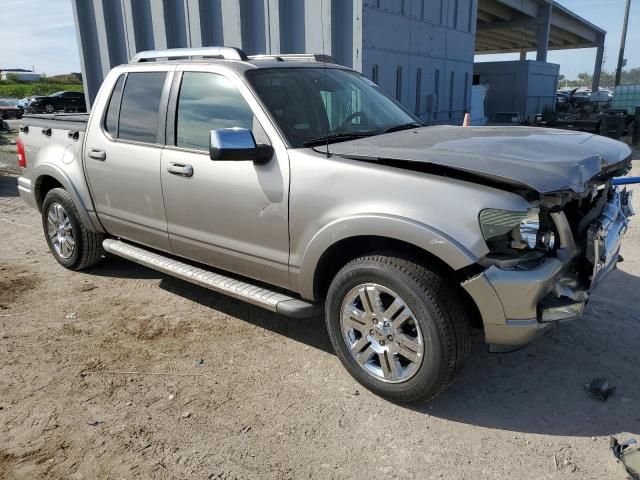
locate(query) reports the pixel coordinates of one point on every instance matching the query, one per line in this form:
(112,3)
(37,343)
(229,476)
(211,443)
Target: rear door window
(140,107)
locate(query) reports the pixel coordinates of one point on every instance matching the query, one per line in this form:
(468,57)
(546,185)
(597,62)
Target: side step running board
(254,294)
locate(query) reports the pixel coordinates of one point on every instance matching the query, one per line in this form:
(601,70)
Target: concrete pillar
(597,71)
(317,39)
(542,34)
(103,38)
(523,55)
(272,26)
(158,25)
(130,35)
(357,35)
(194,32)
(232,30)
(88,48)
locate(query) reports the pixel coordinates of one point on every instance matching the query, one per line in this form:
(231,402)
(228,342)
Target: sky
(41,34)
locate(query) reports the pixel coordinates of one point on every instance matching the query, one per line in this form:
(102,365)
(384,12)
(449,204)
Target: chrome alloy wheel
(382,333)
(60,231)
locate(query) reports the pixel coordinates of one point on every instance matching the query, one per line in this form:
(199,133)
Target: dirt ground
(120,372)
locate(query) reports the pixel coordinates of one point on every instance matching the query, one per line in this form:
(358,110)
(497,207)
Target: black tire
(49,108)
(437,307)
(87,250)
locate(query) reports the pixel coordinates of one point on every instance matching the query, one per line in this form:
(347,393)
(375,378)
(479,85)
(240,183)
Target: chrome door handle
(181,169)
(98,154)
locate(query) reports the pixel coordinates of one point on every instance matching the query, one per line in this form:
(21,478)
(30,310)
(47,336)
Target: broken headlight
(495,223)
(518,230)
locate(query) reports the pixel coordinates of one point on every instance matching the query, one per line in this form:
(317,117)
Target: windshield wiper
(336,137)
(405,126)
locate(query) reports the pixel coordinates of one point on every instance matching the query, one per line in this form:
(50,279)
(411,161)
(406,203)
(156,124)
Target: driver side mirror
(237,144)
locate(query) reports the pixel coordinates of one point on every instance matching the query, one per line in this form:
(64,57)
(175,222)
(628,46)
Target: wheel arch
(49,177)
(341,241)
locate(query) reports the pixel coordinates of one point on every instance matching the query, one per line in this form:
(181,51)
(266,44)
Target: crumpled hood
(541,159)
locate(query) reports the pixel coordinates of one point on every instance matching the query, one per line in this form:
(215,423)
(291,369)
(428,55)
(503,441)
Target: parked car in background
(24,103)
(59,101)
(562,98)
(9,108)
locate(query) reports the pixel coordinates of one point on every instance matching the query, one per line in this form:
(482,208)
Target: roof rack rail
(307,57)
(227,53)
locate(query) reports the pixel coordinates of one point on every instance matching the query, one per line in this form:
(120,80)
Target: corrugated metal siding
(398,37)
(429,41)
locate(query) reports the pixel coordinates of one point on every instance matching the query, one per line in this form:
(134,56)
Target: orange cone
(467,120)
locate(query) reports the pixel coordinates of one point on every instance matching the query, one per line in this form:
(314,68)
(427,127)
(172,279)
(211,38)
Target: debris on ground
(200,362)
(628,453)
(599,388)
(71,315)
(94,423)
(186,414)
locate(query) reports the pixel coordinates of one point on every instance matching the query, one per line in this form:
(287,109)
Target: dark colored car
(9,108)
(59,101)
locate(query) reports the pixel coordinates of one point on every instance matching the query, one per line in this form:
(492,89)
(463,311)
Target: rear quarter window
(113,109)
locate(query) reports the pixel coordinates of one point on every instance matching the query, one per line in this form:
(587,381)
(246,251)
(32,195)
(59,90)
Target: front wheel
(49,108)
(71,243)
(397,326)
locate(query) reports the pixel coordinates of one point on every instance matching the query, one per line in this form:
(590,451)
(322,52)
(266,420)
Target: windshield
(309,104)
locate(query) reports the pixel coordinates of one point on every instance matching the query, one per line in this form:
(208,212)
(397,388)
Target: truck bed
(62,121)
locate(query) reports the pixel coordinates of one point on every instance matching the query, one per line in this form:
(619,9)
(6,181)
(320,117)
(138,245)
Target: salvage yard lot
(120,372)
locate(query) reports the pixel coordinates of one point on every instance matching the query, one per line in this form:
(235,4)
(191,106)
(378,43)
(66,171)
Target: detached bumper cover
(511,302)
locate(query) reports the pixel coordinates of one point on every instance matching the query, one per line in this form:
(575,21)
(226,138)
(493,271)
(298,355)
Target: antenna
(324,68)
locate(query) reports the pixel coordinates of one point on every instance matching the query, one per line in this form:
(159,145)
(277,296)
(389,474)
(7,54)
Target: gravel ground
(120,372)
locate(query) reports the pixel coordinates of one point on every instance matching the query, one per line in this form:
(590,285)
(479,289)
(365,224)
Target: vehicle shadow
(537,389)
(8,186)
(310,331)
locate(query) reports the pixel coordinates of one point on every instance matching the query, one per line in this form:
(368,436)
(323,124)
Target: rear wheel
(71,244)
(397,326)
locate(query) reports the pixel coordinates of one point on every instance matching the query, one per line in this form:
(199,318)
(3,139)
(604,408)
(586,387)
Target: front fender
(423,236)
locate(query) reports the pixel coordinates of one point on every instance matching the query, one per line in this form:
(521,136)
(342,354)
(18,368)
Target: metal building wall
(421,52)
(526,87)
(426,39)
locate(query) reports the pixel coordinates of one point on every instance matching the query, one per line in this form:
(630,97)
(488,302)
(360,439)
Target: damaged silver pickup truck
(291,183)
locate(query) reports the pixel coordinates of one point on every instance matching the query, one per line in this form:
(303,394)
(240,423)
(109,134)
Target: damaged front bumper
(517,305)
